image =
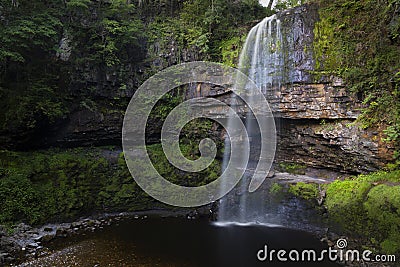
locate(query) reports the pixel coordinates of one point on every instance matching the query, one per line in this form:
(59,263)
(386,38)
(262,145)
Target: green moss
(383,211)
(381,176)
(276,188)
(325,50)
(345,203)
(291,167)
(368,206)
(357,41)
(308,191)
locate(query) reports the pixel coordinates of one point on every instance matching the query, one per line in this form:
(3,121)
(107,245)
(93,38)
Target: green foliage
(55,185)
(42,186)
(78,4)
(27,28)
(40,103)
(220,20)
(230,50)
(110,39)
(358,41)
(17,197)
(308,191)
(292,167)
(276,189)
(54,54)
(209,30)
(29,75)
(177,176)
(38,86)
(285,4)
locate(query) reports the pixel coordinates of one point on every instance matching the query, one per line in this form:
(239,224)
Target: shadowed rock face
(302,95)
(299,102)
(336,145)
(298,34)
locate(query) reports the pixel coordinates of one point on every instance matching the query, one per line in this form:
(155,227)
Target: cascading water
(261,58)
(262,61)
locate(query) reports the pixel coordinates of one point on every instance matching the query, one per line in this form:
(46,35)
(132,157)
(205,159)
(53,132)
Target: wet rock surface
(24,242)
(337,145)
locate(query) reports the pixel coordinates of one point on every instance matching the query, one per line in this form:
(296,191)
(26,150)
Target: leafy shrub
(18,199)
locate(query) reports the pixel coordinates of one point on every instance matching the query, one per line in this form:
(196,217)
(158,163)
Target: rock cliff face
(301,94)
(317,113)
(334,144)
(314,114)
(308,135)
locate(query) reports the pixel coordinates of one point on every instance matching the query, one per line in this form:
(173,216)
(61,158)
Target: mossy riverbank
(62,184)
(366,207)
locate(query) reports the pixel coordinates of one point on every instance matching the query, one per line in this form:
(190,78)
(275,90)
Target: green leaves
(48,185)
(285,4)
(357,40)
(78,4)
(40,104)
(26,29)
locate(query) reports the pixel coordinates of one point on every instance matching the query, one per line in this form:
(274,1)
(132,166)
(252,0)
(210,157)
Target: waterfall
(261,58)
(262,61)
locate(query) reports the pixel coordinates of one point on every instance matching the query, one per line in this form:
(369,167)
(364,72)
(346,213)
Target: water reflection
(177,242)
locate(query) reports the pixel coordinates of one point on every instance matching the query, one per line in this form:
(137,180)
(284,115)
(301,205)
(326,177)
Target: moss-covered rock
(292,167)
(55,184)
(382,209)
(366,207)
(345,203)
(306,191)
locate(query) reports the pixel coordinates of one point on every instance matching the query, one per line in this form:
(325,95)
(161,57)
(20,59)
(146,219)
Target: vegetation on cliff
(360,41)
(60,56)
